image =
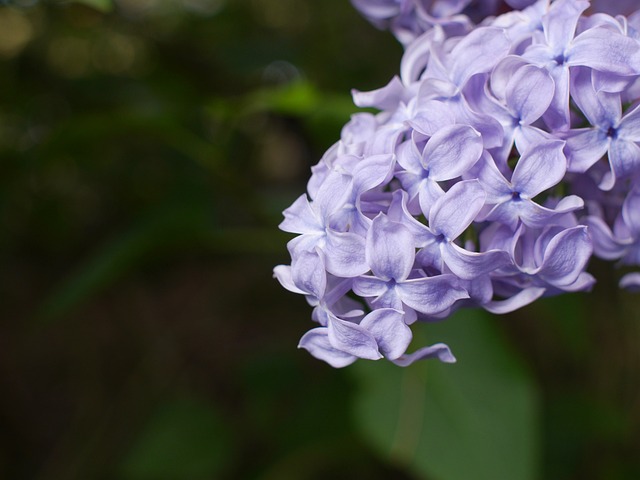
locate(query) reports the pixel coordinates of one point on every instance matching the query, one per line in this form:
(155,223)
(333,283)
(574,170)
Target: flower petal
(344,254)
(456,209)
(438,350)
(352,339)
(316,342)
(390,250)
(431,295)
(388,327)
(540,168)
(469,265)
(452,151)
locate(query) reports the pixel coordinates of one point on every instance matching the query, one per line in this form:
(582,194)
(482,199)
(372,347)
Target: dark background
(147,149)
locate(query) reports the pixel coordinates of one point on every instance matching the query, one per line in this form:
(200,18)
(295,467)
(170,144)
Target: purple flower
(500,160)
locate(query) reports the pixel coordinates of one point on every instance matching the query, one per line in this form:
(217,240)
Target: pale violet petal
(438,350)
(316,342)
(352,339)
(390,331)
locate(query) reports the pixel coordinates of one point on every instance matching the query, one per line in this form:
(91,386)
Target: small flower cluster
(408,19)
(499,162)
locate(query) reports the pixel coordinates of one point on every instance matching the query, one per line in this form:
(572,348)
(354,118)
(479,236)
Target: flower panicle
(502,158)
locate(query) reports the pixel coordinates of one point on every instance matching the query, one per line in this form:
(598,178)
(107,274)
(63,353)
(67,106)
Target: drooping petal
(631,281)
(385,98)
(431,295)
(438,350)
(390,331)
(566,256)
(352,339)
(469,265)
(282,273)
(300,218)
(316,342)
(519,300)
(308,273)
(605,245)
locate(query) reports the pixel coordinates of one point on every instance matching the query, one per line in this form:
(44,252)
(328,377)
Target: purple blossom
(502,157)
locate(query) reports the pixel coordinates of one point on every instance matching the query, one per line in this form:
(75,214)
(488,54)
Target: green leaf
(104,6)
(183,439)
(476,419)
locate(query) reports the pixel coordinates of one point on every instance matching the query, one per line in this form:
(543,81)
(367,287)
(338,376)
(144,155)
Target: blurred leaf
(299,99)
(183,439)
(472,420)
(101,5)
(167,227)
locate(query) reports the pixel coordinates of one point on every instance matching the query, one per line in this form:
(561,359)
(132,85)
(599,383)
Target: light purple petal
(385,98)
(388,328)
(372,172)
(390,250)
(300,218)
(344,254)
(605,245)
(282,273)
(631,212)
(629,128)
(631,281)
(566,256)
(478,52)
(308,273)
(437,350)
(606,51)
(519,300)
(352,339)
(456,209)
(431,295)
(560,23)
(529,93)
(316,342)
(367,286)
(332,194)
(557,116)
(624,157)
(452,151)
(584,148)
(539,168)
(469,265)
(601,109)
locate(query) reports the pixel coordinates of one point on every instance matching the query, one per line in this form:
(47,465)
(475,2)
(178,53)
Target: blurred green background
(147,149)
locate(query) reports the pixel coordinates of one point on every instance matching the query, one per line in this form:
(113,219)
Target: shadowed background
(147,149)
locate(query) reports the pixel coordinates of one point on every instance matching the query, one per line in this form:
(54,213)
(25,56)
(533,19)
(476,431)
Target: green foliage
(185,438)
(101,5)
(476,419)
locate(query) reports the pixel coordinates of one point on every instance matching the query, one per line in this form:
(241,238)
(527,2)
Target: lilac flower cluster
(501,160)
(408,19)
